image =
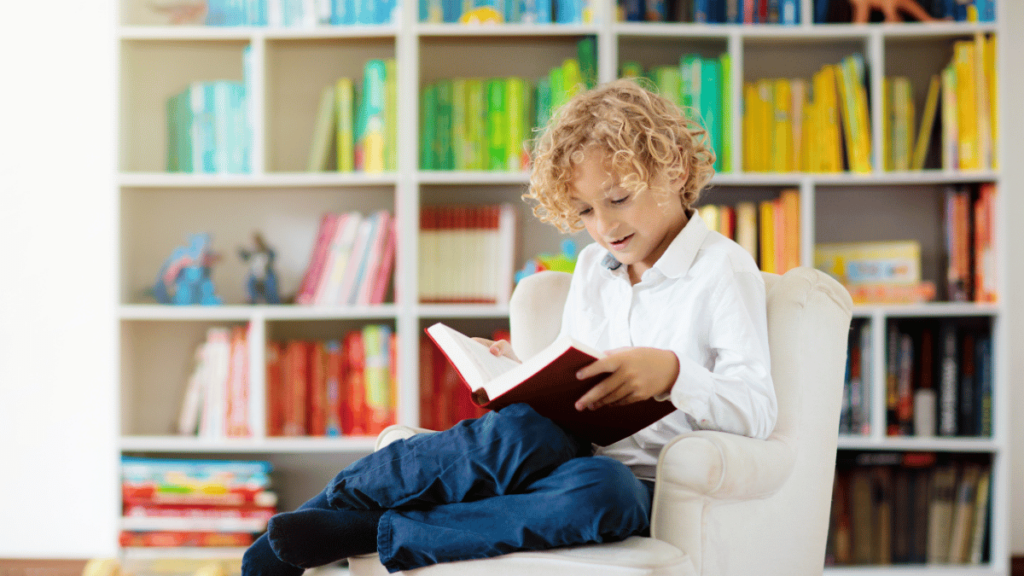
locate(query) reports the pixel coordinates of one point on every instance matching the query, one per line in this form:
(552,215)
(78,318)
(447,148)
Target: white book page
(473,360)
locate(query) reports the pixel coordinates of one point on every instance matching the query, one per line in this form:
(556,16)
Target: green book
(476,124)
(542,102)
(572,78)
(496,129)
(172,134)
(443,136)
(689,81)
(428,128)
(725,154)
(391,115)
(344,98)
(586,52)
(631,70)
(557,80)
(711,105)
(459,123)
(370,145)
(324,133)
(666,78)
(517,106)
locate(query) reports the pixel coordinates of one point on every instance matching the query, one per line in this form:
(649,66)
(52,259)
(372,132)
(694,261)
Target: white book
(337,259)
(218,351)
(357,256)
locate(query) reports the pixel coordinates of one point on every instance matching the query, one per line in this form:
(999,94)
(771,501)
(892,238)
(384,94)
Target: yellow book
(767,234)
(853,71)
(789,200)
(887,122)
(826,84)
(781,126)
(924,133)
(809,152)
(746,227)
(710,214)
(345,101)
(991,78)
(798,115)
(967,106)
(903,122)
(391,115)
(982,100)
(950,122)
(749,98)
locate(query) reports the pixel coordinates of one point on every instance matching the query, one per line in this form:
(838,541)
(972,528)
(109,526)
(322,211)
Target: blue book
(820,11)
(569,12)
(535,11)
(633,10)
(789,12)
(216,12)
(701,11)
(366,12)
(343,12)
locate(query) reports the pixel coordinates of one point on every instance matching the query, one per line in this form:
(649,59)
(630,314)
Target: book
(547,382)
(323,131)
(924,134)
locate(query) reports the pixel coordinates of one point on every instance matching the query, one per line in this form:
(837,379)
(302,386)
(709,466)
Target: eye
(584,212)
(622,200)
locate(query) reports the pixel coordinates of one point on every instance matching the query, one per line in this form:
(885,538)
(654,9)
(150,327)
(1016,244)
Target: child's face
(633,227)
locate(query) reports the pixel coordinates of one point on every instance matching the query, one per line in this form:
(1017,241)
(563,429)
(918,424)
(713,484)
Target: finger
(501,348)
(483,341)
(593,396)
(613,397)
(601,366)
(627,399)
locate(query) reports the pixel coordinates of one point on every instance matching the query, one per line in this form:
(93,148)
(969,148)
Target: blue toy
(185,276)
(261,284)
(564,262)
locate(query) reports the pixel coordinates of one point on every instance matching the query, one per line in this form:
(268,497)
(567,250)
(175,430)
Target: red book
(321,249)
(316,405)
(238,385)
(275,394)
(174,539)
(548,383)
(354,424)
(296,375)
(335,389)
(426,364)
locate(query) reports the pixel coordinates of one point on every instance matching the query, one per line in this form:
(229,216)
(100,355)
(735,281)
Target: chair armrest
(724,466)
(397,432)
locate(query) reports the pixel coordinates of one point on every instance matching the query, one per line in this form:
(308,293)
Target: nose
(605,222)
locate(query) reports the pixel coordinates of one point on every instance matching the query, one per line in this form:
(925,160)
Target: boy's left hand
(635,374)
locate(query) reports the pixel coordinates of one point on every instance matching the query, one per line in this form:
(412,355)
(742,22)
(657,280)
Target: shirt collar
(679,255)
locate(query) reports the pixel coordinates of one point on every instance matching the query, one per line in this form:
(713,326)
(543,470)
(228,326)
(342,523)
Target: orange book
(296,374)
(274,402)
(334,389)
(355,384)
(237,416)
(547,382)
(790,203)
(316,391)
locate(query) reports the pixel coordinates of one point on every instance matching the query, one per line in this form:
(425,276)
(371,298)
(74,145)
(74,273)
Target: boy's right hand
(499,348)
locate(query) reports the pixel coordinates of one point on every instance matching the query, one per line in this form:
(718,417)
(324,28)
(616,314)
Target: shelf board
(797,32)
(904,178)
(471,177)
(246,312)
(492,30)
(936,309)
(271,180)
(461,311)
(915,570)
(910,443)
(742,178)
(289,445)
(248,33)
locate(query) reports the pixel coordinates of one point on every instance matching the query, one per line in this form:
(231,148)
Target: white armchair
(724,505)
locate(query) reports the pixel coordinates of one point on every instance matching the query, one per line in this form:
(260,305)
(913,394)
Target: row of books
(352,260)
(294,13)
(912,508)
(445,399)
(701,86)
(769,230)
(203,503)
(970,106)
(356,129)
(208,129)
(467,254)
(901,150)
(887,272)
(507,11)
(969,242)
(340,387)
(838,11)
(711,11)
(482,124)
(217,402)
(792,125)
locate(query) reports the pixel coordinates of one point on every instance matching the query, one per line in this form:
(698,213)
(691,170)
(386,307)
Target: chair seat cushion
(634,556)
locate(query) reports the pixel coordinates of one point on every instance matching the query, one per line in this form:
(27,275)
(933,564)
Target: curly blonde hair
(644,135)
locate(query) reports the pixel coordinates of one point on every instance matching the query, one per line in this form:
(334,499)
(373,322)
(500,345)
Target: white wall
(58,479)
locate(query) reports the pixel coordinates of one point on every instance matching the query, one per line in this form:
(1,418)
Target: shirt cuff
(692,390)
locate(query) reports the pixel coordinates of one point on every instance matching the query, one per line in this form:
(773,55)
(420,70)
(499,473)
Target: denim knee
(609,486)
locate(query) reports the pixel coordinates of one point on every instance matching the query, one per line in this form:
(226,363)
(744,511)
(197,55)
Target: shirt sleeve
(737,394)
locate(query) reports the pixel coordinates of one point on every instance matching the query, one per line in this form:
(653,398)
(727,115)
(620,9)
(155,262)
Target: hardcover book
(548,383)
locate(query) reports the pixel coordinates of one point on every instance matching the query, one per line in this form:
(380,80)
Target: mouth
(621,242)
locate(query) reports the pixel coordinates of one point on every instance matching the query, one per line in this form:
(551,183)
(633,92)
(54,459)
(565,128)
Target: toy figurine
(890,8)
(261,285)
(185,276)
(564,262)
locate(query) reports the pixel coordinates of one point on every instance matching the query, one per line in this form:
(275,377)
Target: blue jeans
(509,481)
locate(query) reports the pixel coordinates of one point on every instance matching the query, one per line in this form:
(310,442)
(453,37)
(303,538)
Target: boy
(681,310)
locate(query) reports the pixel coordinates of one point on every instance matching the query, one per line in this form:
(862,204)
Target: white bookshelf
(157,210)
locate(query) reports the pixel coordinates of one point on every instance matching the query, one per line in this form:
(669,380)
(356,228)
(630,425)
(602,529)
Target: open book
(548,383)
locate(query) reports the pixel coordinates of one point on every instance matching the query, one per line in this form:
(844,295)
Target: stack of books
(351,261)
(507,11)
(445,400)
(969,98)
(969,242)
(217,400)
(356,128)
(208,129)
(186,503)
(769,230)
(342,387)
(467,254)
(289,13)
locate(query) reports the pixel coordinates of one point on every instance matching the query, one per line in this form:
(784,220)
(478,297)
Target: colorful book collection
(340,387)
(701,86)
(855,413)
(445,400)
(352,260)
(837,11)
(711,11)
(358,124)
(507,11)
(200,503)
(483,123)
(299,13)
(790,125)
(467,254)
(217,400)
(969,106)
(886,272)
(910,508)
(769,230)
(969,227)
(208,129)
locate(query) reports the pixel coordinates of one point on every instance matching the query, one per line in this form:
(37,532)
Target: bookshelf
(157,209)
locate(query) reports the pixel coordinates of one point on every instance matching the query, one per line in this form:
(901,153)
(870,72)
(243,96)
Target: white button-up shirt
(704,299)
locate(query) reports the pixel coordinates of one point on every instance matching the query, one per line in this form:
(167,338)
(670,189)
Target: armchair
(724,505)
